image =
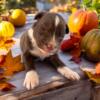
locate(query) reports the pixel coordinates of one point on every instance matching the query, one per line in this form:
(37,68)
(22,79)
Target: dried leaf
(69,44)
(97,68)
(12,65)
(5,45)
(2,59)
(92,75)
(4,86)
(76,53)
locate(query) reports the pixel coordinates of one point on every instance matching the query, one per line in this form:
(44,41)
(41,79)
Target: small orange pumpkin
(18,17)
(82,21)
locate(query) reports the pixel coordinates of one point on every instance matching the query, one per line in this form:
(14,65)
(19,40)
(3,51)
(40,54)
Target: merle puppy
(42,42)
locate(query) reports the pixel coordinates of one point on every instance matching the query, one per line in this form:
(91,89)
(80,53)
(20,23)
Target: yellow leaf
(92,75)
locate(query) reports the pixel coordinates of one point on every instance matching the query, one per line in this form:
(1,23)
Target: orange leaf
(4,86)
(5,45)
(2,59)
(98,68)
(92,74)
(12,65)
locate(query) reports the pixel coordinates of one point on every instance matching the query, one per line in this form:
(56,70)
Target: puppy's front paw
(68,73)
(31,80)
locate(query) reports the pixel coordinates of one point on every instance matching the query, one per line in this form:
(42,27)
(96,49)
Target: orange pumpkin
(82,21)
(18,17)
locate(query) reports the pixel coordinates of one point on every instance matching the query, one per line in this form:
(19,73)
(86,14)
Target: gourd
(82,21)
(7,29)
(18,17)
(90,45)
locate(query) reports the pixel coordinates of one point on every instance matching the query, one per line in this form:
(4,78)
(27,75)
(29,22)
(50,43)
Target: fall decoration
(11,65)
(92,76)
(82,21)
(18,17)
(91,45)
(91,73)
(5,46)
(4,86)
(73,46)
(98,68)
(7,30)
(70,43)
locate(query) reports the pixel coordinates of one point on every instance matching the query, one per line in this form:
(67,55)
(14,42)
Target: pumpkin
(81,21)
(18,17)
(7,29)
(90,45)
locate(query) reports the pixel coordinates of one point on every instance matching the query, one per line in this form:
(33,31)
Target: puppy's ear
(67,29)
(39,15)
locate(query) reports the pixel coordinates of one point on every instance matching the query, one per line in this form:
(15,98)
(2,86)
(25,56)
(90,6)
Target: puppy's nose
(50,47)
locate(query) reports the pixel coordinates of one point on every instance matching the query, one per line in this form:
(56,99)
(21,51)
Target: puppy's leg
(31,78)
(8,97)
(62,68)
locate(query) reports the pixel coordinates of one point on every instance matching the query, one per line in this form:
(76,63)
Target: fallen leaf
(91,73)
(2,59)
(5,86)
(97,68)
(11,65)
(76,53)
(5,45)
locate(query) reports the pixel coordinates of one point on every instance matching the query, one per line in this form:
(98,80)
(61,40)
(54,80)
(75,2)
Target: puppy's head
(49,31)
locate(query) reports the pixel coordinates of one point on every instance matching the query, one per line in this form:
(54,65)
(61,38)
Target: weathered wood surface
(49,78)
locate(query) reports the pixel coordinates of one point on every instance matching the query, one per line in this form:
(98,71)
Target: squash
(82,21)
(90,45)
(7,29)
(18,17)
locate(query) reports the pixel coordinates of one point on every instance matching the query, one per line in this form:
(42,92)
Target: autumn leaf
(76,53)
(5,45)
(91,73)
(97,68)
(5,86)
(72,45)
(2,59)
(11,65)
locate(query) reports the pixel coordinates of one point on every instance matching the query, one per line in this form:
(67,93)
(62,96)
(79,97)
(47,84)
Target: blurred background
(31,6)
(59,6)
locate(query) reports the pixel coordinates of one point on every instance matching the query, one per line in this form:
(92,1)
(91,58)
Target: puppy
(41,42)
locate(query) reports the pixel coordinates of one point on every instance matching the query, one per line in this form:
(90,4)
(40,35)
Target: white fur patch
(31,80)
(30,34)
(68,73)
(57,20)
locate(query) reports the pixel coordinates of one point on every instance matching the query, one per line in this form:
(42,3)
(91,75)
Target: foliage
(92,4)
(13,4)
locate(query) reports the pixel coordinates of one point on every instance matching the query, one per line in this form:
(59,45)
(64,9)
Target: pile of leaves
(9,65)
